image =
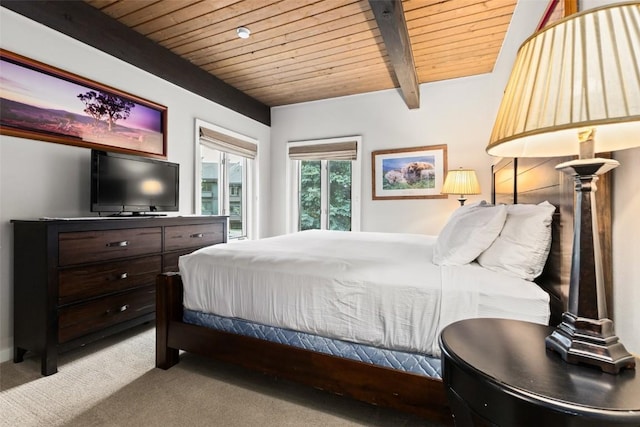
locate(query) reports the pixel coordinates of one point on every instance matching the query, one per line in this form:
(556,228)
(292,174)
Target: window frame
(293,183)
(250,174)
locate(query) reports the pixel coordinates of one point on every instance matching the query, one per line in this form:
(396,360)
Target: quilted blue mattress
(409,362)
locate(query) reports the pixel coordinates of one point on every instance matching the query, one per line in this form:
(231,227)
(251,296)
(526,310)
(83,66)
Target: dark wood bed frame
(514,181)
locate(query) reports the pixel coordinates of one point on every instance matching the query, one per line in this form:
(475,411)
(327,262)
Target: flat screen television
(126,184)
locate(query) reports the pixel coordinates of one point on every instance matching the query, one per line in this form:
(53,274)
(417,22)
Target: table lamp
(462,182)
(575,89)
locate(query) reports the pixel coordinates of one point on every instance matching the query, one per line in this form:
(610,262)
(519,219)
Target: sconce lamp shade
(581,72)
(462,182)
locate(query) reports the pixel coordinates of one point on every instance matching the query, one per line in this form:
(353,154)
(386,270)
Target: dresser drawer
(100,279)
(81,319)
(192,236)
(91,246)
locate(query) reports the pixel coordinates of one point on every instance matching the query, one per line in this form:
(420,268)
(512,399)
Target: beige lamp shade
(461,181)
(581,72)
(575,89)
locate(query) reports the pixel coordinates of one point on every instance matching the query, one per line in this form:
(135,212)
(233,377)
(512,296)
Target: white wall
(626,246)
(383,121)
(459,113)
(45,179)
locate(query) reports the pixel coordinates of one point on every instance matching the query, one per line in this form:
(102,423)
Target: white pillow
(470,230)
(522,247)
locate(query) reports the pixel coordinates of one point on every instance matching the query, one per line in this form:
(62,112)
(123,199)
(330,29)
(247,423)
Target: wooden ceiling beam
(393,28)
(87,24)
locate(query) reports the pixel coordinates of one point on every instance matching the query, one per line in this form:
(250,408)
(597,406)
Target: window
(324,180)
(225,165)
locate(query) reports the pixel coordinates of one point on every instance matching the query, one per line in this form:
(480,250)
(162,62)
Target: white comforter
(379,289)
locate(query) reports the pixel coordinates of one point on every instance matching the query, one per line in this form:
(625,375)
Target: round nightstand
(498,372)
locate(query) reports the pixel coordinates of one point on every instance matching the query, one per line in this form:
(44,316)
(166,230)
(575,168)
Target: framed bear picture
(409,173)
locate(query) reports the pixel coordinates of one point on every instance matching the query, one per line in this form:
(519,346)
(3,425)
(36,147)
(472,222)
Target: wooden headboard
(534,180)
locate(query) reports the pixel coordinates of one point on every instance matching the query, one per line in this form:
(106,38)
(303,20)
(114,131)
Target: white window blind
(345,150)
(227,143)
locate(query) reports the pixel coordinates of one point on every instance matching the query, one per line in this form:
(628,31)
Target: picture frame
(409,173)
(45,103)
(557,10)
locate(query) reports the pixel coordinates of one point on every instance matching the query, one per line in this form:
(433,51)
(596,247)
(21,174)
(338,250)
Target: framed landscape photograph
(41,102)
(409,173)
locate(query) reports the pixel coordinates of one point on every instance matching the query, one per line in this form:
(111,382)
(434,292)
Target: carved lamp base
(586,334)
(590,341)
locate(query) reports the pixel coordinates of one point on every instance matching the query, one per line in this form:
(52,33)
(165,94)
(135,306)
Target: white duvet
(379,289)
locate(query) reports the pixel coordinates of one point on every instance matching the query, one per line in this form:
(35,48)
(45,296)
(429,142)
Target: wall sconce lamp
(575,89)
(462,182)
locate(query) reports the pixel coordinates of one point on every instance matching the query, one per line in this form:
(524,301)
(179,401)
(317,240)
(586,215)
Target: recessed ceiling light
(243,32)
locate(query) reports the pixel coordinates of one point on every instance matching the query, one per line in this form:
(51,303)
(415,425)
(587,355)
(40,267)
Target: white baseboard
(6,354)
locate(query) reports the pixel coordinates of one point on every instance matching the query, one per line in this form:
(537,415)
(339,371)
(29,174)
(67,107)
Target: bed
(395,367)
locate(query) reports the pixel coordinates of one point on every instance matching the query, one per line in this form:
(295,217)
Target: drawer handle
(118,244)
(123,276)
(197,235)
(118,310)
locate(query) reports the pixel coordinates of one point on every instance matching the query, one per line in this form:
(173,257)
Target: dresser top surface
(149,218)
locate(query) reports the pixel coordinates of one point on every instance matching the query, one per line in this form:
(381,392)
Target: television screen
(123,183)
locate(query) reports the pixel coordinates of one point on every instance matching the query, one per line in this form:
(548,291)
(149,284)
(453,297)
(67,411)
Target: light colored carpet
(113,382)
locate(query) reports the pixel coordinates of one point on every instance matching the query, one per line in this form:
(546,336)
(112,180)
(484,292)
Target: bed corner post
(168,309)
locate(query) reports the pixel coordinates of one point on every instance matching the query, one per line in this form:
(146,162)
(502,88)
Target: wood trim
(87,24)
(567,7)
(393,28)
(570,7)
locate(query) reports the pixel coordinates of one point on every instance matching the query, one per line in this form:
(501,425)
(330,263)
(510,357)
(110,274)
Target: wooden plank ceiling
(305,50)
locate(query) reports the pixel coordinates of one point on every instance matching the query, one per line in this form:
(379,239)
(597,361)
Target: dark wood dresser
(497,372)
(79,280)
